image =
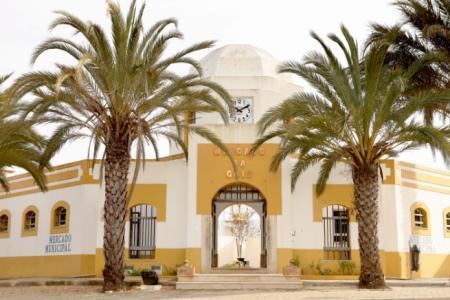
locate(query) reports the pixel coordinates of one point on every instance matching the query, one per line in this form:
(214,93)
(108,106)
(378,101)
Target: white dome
(240,61)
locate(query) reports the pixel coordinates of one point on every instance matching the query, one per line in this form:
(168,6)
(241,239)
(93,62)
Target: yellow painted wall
(214,172)
(337,194)
(165,257)
(47,266)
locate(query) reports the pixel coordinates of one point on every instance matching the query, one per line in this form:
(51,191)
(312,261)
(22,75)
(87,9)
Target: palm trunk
(117,163)
(366,201)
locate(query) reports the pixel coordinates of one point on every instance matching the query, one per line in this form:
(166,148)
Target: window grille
(60,216)
(4,223)
(447,222)
(30,220)
(420,219)
(239,192)
(336,232)
(142,231)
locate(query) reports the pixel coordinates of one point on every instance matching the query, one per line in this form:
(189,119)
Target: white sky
(281,27)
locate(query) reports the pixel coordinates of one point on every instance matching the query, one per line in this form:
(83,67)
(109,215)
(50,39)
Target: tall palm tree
(353,116)
(123,95)
(424,28)
(20,145)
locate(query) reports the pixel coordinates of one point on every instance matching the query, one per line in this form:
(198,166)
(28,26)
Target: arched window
(447,222)
(4,223)
(30,220)
(420,219)
(336,226)
(142,231)
(60,218)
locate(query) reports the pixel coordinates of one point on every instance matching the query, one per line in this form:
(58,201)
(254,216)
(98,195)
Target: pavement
(90,288)
(329,293)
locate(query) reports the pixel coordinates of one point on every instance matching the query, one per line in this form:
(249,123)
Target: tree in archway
(241,226)
(355,115)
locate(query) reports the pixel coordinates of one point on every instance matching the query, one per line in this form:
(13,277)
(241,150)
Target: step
(238,278)
(235,285)
(238,271)
(238,282)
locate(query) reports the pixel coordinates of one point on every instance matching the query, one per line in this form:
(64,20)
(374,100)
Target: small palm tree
(20,145)
(122,95)
(353,116)
(425,28)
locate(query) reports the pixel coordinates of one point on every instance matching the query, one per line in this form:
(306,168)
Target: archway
(239,228)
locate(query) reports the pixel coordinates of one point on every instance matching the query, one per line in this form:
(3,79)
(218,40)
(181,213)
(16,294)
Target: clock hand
(242,108)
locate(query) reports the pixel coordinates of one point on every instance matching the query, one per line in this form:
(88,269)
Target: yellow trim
(337,194)
(446,231)
(166,257)
(47,266)
(60,229)
(214,172)
(392,177)
(194,256)
(34,231)
(423,168)
(408,174)
(60,179)
(419,230)
(150,194)
(5,235)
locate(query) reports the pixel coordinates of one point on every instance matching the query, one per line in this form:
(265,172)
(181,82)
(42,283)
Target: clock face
(243,110)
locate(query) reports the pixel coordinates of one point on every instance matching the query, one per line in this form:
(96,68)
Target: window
(30,220)
(60,216)
(142,231)
(4,223)
(447,222)
(420,218)
(336,232)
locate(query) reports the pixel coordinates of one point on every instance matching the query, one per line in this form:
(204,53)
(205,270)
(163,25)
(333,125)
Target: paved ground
(93,292)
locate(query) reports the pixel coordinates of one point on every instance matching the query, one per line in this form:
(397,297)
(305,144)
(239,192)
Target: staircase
(239,281)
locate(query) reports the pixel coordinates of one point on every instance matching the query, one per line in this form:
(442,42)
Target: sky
(280,27)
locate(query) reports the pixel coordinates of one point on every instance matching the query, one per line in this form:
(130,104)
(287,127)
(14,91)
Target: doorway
(239,228)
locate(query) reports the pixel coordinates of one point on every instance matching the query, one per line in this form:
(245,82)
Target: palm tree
(123,95)
(425,28)
(20,145)
(354,116)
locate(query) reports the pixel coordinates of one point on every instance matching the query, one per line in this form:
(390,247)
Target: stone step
(238,278)
(238,285)
(238,271)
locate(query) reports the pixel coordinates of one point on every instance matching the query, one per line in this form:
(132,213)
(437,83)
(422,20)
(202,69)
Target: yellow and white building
(176,211)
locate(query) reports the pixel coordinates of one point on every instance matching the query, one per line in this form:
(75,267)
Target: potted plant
(149,277)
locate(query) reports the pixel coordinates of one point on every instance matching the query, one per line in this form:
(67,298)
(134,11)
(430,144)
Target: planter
(149,277)
(292,271)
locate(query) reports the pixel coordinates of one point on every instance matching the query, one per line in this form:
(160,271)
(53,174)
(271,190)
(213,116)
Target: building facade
(195,210)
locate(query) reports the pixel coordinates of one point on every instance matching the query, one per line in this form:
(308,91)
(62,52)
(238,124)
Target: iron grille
(142,231)
(4,223)
(336,232)
(30,220)
(61,214)
(239,192)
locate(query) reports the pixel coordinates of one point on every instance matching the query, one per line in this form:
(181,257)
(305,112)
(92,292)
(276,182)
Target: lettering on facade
(59,243)
(240,154)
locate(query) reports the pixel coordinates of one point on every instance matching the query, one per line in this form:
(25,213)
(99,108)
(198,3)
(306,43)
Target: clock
(243,110)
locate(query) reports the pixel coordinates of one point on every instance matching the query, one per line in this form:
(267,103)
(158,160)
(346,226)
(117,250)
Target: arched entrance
(239,227)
